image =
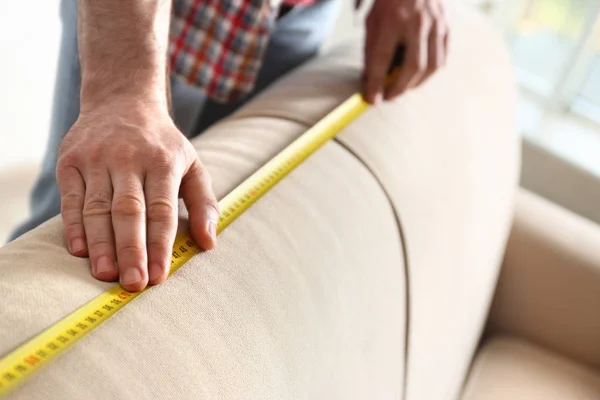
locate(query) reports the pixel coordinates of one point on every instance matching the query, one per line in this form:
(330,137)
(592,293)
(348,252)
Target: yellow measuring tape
(22,363)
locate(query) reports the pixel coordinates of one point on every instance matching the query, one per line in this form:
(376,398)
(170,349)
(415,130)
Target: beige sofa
(366,274)
(543,336)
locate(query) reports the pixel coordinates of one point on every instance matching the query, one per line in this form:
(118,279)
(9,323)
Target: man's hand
(420,26)
(120,171)
(123,164)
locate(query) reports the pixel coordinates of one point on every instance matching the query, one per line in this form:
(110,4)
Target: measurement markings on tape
(19,365)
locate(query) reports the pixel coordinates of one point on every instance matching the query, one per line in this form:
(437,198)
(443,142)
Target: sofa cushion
(304,297)
(447,154)
(549,288)
(507,368)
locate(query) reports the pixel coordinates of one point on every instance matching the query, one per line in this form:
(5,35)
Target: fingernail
(213,219)
(131,276)
(212,230)
(103,265)
(77,245)
(156,272)
(378,98)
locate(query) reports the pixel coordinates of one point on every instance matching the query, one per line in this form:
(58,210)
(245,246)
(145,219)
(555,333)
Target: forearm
(123,50)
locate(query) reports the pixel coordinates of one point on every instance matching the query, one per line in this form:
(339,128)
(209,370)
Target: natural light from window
(555,46)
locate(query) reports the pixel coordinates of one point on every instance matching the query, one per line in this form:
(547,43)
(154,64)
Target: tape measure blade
(259,183)
(27,359)
(23,362)
(20,364)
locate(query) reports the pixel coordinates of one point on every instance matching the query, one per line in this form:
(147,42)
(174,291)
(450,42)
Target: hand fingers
(378,60)
(203,208)
(416,59)
(445,45)
(368,49)
(129,224)
(443,31)
(436,49)
(162,188)
(72,190)
(98,226)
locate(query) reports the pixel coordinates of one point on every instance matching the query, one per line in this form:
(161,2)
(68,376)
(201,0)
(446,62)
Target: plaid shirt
(218,45)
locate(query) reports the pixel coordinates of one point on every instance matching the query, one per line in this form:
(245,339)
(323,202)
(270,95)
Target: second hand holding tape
(23,362)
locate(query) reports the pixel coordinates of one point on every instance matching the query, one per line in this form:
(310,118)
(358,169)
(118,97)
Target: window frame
(563,97)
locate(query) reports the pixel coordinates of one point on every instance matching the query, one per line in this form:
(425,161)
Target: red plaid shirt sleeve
(218,45)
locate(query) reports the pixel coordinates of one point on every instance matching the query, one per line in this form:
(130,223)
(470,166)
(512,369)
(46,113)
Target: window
(544,39)
(556,51)
(587,101)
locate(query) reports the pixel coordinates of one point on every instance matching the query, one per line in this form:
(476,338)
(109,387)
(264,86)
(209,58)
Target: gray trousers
(297,37)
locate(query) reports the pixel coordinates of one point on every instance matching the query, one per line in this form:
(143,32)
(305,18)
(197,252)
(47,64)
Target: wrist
(124,107)
(140,87)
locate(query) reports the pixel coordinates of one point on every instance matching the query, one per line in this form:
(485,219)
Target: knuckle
(65,163)
(163,156)
(424,29)
(133,253)
(72,228)
(197,169)
(131,248)
(440,29)
(434,8)
(125,155)
(420,18)
(438,9)
(160,246)
(161,209)
(164,162)
(402,15)
(128,204)
(71,201)
(417,19)
(72,225)
(97,204)
(67,159)
(99,245)
(96,155)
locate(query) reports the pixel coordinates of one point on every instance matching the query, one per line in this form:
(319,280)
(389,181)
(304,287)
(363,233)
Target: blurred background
(555,46)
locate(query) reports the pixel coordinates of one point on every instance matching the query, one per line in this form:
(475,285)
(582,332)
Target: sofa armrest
(549,287)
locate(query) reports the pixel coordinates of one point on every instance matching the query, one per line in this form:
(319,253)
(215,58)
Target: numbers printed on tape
(21,363)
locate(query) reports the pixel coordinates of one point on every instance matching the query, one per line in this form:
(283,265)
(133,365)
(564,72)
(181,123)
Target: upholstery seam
(404,256)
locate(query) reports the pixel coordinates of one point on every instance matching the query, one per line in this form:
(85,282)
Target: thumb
(202,205)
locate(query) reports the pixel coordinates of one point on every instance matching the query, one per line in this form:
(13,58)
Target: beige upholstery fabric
(303,299)
(448,155)
(305,296)
(513,369)
(549,289)
(452,174)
